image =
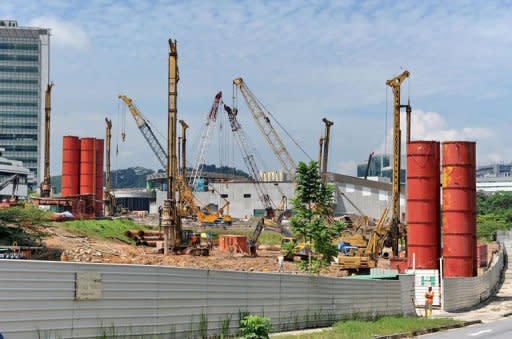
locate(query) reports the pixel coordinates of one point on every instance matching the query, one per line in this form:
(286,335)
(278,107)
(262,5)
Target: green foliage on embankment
(494,212)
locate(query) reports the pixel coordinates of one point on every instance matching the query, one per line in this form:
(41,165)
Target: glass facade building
(24,60)
(381,166)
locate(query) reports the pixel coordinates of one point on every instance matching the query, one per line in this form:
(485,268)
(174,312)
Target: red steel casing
(423,204)
(459,209)
(99,177)
(87,166)
(70,166)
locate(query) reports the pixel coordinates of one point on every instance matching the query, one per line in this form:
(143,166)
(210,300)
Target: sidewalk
(497,307)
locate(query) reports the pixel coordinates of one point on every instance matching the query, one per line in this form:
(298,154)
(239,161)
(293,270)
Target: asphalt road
(499,329)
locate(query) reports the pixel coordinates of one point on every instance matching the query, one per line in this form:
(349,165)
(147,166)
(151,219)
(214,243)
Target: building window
(247,195)
(224,196)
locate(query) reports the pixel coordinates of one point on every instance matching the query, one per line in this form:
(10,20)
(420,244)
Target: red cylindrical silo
(70,166)
(99,177)
(87,166)
(459,208)
(423,203)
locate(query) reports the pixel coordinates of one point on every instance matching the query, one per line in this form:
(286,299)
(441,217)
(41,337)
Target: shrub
(255,327)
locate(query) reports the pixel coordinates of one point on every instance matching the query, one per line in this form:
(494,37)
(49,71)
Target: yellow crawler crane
(188,207)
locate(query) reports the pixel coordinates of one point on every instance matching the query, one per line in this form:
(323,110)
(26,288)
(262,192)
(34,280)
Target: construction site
(192,230)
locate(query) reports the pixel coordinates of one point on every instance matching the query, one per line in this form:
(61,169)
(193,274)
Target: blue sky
(303,59)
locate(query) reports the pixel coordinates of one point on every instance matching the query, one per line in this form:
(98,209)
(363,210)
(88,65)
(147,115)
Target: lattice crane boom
(205,140)
(271,136)
(248,157)
(146,131)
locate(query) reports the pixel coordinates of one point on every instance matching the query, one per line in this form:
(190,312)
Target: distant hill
(135,177)
(225,170)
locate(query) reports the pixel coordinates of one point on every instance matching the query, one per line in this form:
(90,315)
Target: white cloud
(433,126)
(303,60)
(63,33)
(347,167)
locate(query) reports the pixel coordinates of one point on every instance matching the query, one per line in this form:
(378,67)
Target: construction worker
(429,300)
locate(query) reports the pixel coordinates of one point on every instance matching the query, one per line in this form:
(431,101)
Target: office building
(24,73)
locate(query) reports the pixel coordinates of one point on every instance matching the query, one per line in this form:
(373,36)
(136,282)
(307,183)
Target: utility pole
(171,219)
(325,154)
(395,84)
(108,197)
(46,187)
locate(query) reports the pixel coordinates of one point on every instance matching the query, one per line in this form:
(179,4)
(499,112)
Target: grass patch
(102,229)
(356,329)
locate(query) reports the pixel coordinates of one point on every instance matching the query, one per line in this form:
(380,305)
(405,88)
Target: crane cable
(281,126)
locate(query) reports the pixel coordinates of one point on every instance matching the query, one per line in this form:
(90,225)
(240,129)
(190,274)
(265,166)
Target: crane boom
(248,157)
(146,131)
(263,121)
(205,140)
(186,193)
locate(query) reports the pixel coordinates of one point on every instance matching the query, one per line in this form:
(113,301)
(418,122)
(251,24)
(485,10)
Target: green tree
(494,213)
(313,205)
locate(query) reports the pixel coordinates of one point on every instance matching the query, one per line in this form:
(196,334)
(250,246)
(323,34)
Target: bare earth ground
(82,249)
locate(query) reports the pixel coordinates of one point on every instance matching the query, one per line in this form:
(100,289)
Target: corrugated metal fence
(462,293)
(37,299)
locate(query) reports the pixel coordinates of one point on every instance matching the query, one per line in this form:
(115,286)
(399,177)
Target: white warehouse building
(370,197)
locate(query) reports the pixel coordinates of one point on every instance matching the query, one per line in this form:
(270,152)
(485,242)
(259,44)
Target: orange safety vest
(429,298)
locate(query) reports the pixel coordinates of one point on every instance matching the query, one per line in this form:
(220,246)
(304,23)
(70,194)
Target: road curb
(427,331)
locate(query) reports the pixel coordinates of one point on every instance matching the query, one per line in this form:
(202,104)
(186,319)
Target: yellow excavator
(362,260)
